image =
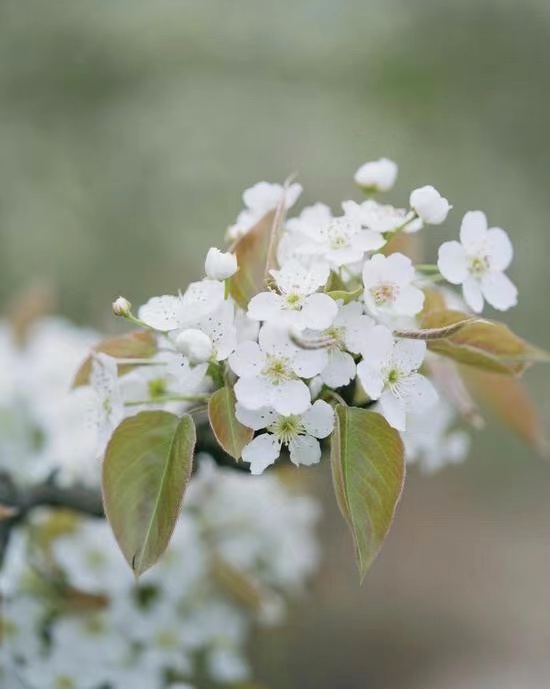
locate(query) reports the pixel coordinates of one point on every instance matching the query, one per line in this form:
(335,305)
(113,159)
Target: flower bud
(122,307)
(377,175)
(195,345)
(429,205)
(219,265)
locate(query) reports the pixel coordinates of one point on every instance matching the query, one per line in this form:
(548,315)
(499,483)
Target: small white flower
(381,218)
(298,305)
(220,265)
(395,381)
(259,200)
(388,286)
(121,307)
(430,206)
(269,372)
(377,175)
(195,345)
(177,312)
(300,432)
(478,263)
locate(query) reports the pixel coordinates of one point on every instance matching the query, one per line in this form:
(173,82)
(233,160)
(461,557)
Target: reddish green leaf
(145,473)
(368,471)
(230,434)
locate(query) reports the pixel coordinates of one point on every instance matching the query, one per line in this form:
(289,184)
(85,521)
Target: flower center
(277,369)
(479,265)
(157,388)
(339,234)
(287,428)
(336,336)
(384,293)
(293,301)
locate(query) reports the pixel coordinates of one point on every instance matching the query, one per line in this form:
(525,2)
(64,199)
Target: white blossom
(430,206)
(220,265)
(298,305)
(388,286)
(300,432)
(396,383)
(381,218)
(122,307)
(377,175)
(478,263)
(195,345)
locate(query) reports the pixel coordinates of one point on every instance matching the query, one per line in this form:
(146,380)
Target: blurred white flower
(377,175)
(220,265)
(430,206)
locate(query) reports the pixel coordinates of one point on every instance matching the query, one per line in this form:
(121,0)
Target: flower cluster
(238,552)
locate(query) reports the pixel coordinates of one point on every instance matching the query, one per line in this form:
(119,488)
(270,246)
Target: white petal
(501,251)
(255,419)
(275,339)
(261,452)
(418,393)
(374,270)
(305,450)
(291,397)
(340,370)
(471,291)
(368,240)
(308,363)
(408,355)
(162,313)
(399,268)
(394,411)
(345,255)
(379,344)
(319,420)
(247,360)
(370,376)
(409,301)
(452,262)
(319,312)
(499,291)
(201,299)
(266,306)
(358,330)
(473,229)
(253,393)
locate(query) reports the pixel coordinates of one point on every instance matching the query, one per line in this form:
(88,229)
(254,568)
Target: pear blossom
(396,383)
(388,286)
(195,345)
(298,304)
(270,372)
(381,218)
(259,200)
(300,432)
(220,265)
(429,205)
(478,263)
(377,175)
(122,307)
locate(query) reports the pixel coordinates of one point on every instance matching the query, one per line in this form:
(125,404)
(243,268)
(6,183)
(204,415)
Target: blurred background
(128,131)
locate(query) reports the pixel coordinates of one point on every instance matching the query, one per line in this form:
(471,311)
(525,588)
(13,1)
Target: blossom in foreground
(270,372)
(478,263)
(396,383)
(299,432)
(220,265)
(298,304)
(388,286)
(376,175)
(429,205)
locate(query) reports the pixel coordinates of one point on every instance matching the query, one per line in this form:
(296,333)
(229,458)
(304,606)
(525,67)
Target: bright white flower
(353,332)
(177,312)
(296,244)
(382,218)
(478,263)
(377,175)
(395,381)
(300,432)
(195,345)
(298,305)
(269,372)
(121,307)
(220,265)
(430,206)
(388,286)
(259,200)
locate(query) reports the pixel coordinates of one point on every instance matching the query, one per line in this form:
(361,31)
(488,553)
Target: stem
(169,398)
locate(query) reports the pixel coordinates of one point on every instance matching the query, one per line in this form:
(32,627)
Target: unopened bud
(195,345)
(429,205)
(122,307)
(219,265)
(377,175)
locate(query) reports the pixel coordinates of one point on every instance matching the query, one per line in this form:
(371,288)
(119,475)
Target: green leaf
(145,473)
(135,345)
(231,435)
(368,472)
(345,296)
(488,345)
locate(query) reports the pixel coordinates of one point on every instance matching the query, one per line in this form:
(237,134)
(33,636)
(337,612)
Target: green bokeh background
(128,131)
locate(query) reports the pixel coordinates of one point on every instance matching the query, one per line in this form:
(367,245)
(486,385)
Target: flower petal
(255,419)
(473,229)
(308,363)
(409,301)
(371,378)
(452,262)
(253,393)
(319,420)
(247,360)
(290,397)
(162,313)
(305,450)
(319,312)
(418,393)
(499,291)
(394,411)
(340,369)
(408,355)
(261,453)
(471,291)
(266,306)
(500,249)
